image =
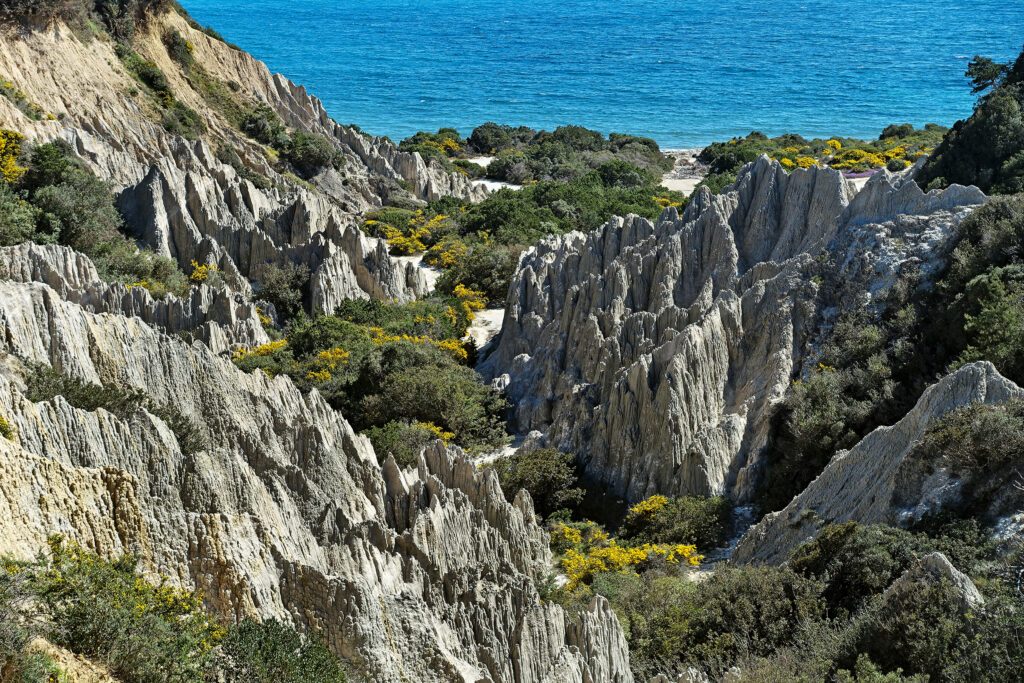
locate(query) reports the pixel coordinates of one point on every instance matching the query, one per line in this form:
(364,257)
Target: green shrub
(19,625)
(671,622)
(271,652)
(549,476)
(6,430)
(18,219)
(402,440)
(179,48)
(180,119)
(142,632)
(264,125)
(311,153)
(985,149)
(283,287)
(71,206)
(690,520)
(486,268)
(449,396)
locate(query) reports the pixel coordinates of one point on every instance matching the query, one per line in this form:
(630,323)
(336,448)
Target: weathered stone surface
(936,567)
(187,204)
(658,352)
(420,575)
(867,483)
(217,316)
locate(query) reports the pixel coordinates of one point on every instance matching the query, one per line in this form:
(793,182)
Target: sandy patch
(481,161)
(687,172)
(486,325)
(495,185)
(684,185)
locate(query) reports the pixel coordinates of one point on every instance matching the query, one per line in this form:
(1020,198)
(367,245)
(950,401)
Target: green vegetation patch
(142,631)
(55,199)
(478,245)
(986,149)
(396,371)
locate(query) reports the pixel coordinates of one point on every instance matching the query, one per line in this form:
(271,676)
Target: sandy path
(686,174)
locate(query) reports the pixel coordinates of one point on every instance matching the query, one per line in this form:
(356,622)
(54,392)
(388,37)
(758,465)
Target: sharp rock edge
(425,574)
(659,351)
(188,205)
(875,481)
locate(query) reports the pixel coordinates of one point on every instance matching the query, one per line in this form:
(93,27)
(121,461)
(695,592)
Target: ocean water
(682,72)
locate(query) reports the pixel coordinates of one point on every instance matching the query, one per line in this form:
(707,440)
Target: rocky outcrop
(222,319)
(185,203)
(420,575)
(658,351)
(868,483)
(191,207)
(936,567)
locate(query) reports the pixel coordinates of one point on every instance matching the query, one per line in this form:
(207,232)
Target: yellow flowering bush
(437,431)
(107,609)
(10,150)
(580,566)
(806,162)
(646,509)
(263,350)
(470,299)
(202,273)
(454,347)
(665,202)
(446,253)
(6,430)
(788,163)
(834,145)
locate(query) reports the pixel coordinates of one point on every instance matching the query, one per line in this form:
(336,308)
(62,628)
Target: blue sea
(682,72)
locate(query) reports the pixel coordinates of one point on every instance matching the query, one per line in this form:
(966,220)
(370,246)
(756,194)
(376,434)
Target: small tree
(549,476)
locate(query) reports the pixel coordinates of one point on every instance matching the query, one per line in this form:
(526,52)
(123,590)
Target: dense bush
(404,440)
(986,149)
(549,476)
(696,520)
(311,153)
(897,146)
(264,125)
(671,622)
(832,407)
(58,200)
(283,286)
(271,652)
(143,632)
(394,369)
(20,624)
(857,562)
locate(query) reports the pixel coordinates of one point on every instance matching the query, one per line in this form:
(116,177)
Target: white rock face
(219,317)
(870,482)
(187,204)
(658,352)
(418,575)
(936,567)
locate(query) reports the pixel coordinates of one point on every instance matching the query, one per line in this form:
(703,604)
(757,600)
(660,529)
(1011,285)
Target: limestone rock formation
(219,317)
(419,575)
(868,483)
(658,352)
(935,567)
(186,203)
